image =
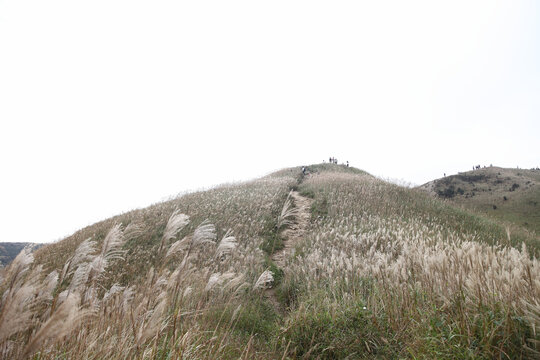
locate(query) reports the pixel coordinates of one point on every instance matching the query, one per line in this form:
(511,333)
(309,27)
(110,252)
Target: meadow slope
(507,195)
(380,271)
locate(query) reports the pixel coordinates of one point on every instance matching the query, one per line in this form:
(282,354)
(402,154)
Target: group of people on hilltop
(477,167)
(333,160)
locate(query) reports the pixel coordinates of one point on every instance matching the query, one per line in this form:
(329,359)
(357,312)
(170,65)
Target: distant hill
(9,250)
(511,195)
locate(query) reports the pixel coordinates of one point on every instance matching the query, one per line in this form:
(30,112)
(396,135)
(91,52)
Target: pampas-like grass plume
(133,230)
(110,250)
(218,279)
(204,234)
(115,289)
(265,281)
(18,298)
(16,312)
(154,324)
(226,245)
(288,213)
(18,267)
(177,222)
(82,254)
(80,277)
(62,321)
(178,246)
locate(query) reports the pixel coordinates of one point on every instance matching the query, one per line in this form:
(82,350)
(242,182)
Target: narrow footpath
(291,237)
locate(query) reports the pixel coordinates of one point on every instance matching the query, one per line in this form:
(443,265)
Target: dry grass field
(380,271)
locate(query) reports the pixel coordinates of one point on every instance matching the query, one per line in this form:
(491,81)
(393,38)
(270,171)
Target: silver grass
(50,283)
(133,230)
(162,281)
(264,281)
(62,321)
(90,297)
(18,298)
(288,213)
(16,314)
(226,245)
(205,233)
(80,277)
(110,250)
(187,291)
(213,281)
(236,284)
(115,289)
(127,297)
(175,279)
(219,279)
(178,246)
(18,267)
(154,324)
(98,265)
(177,221)
(150,277)
(61,297)
(82,254)
(44,288)
(236,312)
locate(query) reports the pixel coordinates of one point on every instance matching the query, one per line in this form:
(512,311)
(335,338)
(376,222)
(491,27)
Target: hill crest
(511,195)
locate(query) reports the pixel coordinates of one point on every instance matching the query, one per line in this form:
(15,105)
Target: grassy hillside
(510,195)
(380,272)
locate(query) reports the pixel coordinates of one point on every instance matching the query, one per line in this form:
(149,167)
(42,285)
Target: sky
(111,105)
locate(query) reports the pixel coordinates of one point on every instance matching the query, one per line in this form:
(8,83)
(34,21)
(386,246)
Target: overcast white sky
(109,105)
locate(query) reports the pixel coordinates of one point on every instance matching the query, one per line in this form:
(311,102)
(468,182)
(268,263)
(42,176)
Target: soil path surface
(291,236)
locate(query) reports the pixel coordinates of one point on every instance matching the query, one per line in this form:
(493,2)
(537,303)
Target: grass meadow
(382,272)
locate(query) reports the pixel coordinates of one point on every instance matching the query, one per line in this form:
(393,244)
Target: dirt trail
(291,236)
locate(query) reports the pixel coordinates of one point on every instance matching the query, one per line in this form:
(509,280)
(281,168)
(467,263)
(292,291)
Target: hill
(509,195)
(8,251)
(329,264)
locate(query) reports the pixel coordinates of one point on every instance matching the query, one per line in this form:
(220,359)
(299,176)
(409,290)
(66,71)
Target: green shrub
(287,293)
(338,331)
(494,333)
(448,192)
(277,272)
(272,242)
(257,316)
